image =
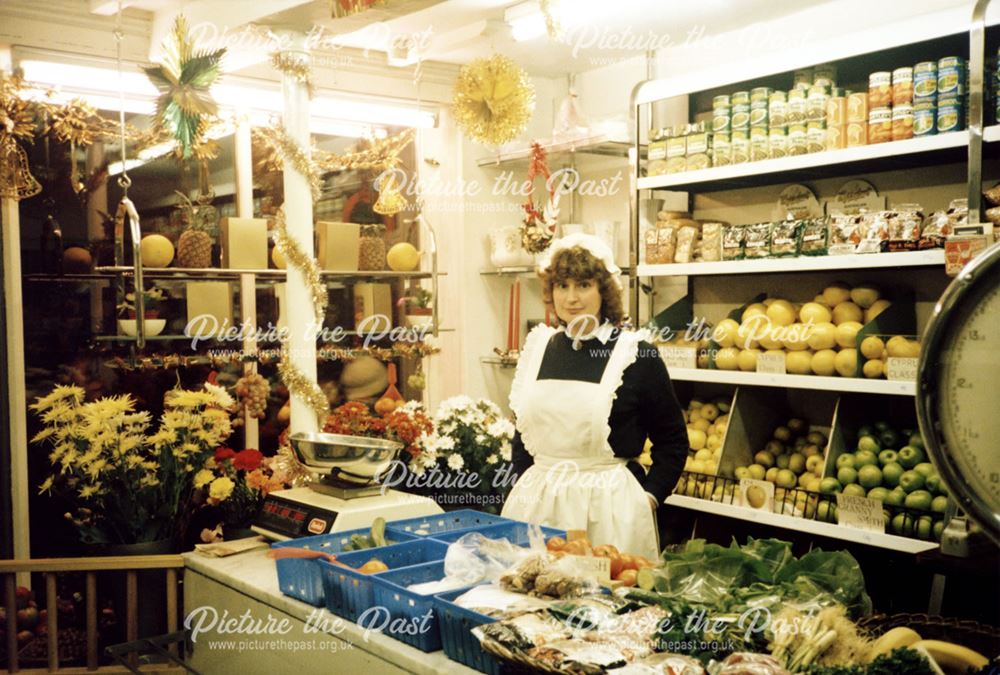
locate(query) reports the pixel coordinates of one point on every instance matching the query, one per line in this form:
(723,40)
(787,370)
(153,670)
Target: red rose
(222,454)
(247,460)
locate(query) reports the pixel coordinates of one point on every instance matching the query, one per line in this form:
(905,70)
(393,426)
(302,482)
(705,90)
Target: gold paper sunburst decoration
(493,101)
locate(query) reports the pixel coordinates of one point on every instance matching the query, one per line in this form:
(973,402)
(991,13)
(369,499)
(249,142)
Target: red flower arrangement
(407,424)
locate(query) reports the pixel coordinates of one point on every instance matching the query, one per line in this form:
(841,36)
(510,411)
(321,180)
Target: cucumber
(378,532)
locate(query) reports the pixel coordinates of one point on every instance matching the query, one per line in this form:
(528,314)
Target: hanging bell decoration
(16,181)
(390,201)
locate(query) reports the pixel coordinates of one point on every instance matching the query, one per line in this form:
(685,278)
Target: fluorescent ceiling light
(100,87)
(526,21)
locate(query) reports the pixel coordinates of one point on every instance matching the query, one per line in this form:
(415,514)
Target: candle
(517,314)
(510,320)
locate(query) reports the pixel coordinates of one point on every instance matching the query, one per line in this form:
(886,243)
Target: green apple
(887,457)
(775,448)
(816,438)
(926,469)
(895,497)
(911,480)
(782,461)
(879,494)
(846,475)
(757,472)
(870,476)
(889,439)
(813,461)
(938,529)
(829,486)
(934,484)
(741,472)
(925,527)
(902,525)
(917,441)
(772,474)
(810,450)
(910,456)
(891,473)
(826,511)
(865,458)
(939,504)
(854,490)
(846,460)
(866,430)
(786,478)
(764,458)
(918,499)
(797,462)
(869,443)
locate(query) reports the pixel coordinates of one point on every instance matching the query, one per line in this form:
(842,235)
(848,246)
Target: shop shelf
(928,258)
(348,592)
(457,639)
(184,273)
(923,151)
(463,520)
(499,361)
(301,577)
(839,384)
(789,522)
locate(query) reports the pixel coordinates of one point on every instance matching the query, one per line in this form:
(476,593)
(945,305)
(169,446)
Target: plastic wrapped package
(733,239)
(751,664)
(874,232)
(711,242)
(660,244)
(905,224)
(815,236)
(846,232)
(687,236)
(785,236)
(758,241)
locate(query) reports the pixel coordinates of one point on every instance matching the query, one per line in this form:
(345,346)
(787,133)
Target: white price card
(679,357)
(772,364)
(597,566)
(757,494)
(860,512)
(898,368)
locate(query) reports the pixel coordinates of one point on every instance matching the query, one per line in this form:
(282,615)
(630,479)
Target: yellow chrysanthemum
(221,488)
(62,392)
(46,486)
(203,478)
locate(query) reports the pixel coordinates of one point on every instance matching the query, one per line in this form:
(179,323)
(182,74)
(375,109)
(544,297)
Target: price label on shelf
(599,568)
(679,357)
(898,368)
(757,494)
(860,512)
(772,364)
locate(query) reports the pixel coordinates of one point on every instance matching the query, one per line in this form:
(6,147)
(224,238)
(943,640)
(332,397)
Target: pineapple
(194,248)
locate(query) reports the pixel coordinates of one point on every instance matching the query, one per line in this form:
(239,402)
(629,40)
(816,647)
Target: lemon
(725,332)
(771,338)
(836,293)
(864,296)
(403,257)
(823,336)
(727,358)
(756,309)
(814,313)
(823,362)
(876,308)
(781,313)
(847,333)
(747,360)
(898,346)
(873,368)
(156,250)
(748,334)
(799,363)
(796,336)
(847,311)
(846,362)
(871,347)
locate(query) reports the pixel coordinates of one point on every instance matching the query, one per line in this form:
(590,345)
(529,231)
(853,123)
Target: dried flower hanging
(539,227)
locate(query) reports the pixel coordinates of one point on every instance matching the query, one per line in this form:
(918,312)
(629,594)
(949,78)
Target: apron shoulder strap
(528,363)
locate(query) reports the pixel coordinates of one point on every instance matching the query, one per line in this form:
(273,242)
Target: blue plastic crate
(301,578)
(412,617)
(513,531)
(459,643)
(465,520)
(348,593)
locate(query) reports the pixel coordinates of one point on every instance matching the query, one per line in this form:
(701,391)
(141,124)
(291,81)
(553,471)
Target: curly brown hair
(579,264)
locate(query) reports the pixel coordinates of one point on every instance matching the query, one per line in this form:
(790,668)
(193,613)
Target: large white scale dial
(958,395)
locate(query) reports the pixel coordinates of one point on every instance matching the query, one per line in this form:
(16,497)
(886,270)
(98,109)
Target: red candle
(510,320)
(517,314)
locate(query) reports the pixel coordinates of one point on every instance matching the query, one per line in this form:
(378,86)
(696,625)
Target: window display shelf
(498,361)
(217,274)
(928,258)
(877,539)
(815,382)
(923,151)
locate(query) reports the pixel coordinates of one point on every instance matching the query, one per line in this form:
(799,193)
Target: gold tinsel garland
(294,68)
(305,263)
(303,387)
(493,100)
(382,154)
(342,8)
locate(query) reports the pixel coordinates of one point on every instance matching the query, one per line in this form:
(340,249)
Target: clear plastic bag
(477,559)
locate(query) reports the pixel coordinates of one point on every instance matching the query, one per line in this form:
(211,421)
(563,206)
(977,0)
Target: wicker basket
(983,638)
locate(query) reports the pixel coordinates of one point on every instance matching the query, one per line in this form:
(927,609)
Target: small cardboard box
(209,308)
(373,300)
(244,243)
(960,250)
(338,246)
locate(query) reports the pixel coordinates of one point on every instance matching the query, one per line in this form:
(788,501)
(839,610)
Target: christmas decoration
(293,68)
(493,100)
(538,227)
(16,122)
(296,257)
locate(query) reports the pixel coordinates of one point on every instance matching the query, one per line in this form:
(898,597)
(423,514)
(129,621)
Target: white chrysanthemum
(222,397)
(446,443)
(501,428)
(492,459)
(456,462)
(505,451)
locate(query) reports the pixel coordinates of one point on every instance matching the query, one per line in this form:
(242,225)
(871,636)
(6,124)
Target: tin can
(902,86)
(795,143)
(924,119)
(950,115)
(777,142)
(879,89)
(741,110)
(857,107)
(825,75)
(857,134)
(836,110)
(740,98)
(816,102)
(760,95)
(925,80)
(722,150)
(759,117)
(816,136)
(740,148)
(722,101)
(902,121)
(796,112)
(879,125)
(722,120)
(836,137)
(777,109)
(803,76)
(758,143)
(951,76)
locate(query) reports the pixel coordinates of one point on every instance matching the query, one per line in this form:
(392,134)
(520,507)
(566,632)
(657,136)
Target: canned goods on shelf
(740,98)
(950,115)
(777,146)
(796,111)
(721,101)
(740,150)
(925,81)
(902,122)
(951,76)
(857,134)
(924,119)
(759,117)
(722,120)
(803,76)
(836,137)
(825,75)
(777,111)
(836,110)
(902,86)
(857,107)
(879,89)
(760,95)
(879,125)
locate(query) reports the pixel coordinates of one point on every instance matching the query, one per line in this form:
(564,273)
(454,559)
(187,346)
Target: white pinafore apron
(576,482)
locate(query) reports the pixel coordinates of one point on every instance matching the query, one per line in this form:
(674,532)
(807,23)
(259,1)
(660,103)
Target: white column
(248,286)
(298,214)
(10,225)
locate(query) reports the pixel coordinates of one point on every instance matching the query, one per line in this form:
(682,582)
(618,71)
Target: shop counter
(241,623)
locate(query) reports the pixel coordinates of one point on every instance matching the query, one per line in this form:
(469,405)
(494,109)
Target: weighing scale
(345,493)
(958,382)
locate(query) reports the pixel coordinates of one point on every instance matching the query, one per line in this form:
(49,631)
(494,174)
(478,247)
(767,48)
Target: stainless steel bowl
(355,458)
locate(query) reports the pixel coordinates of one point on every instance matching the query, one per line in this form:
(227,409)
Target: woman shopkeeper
(587,394)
